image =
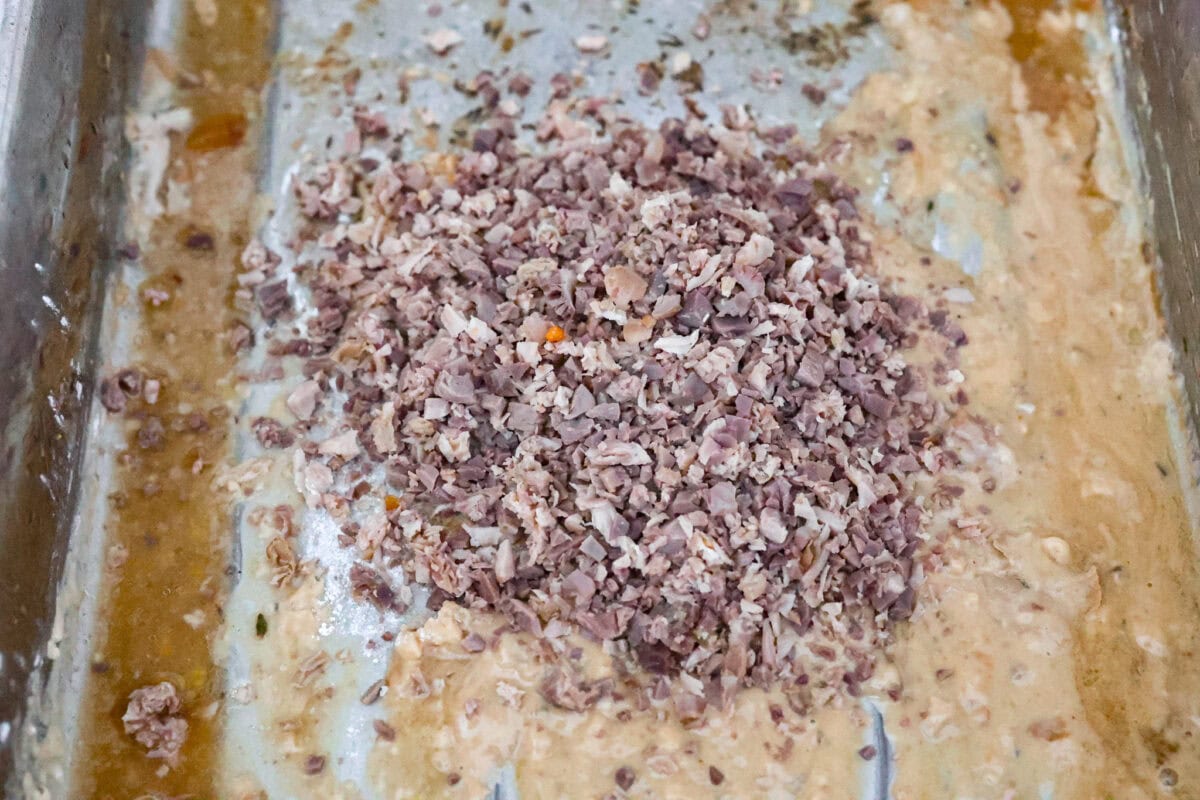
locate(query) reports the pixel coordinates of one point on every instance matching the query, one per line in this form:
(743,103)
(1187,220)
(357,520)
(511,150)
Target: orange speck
(391,502)
(555,334)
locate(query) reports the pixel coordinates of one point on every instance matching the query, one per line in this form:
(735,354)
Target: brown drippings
(1057,74)
(163,512)
(1055,70)
(224,129)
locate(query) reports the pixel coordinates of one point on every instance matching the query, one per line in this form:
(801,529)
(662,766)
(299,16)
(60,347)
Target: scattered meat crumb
(591,43)
(117,555)
(384,731)
(151,435)
(443,40)
(271,433)
(111,396)
(154,719)
(373,692)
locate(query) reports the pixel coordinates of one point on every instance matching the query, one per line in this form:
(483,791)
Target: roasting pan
(71,70)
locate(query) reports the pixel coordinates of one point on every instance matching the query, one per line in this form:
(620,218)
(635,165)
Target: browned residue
(1055,70)
(223,129)
(165,513)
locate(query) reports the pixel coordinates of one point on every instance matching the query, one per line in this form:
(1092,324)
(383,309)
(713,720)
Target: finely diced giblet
(627,454)
(504,565)
(754,252)
(443,40)
(303,400)
(344,444)
(624,285)
(436,408)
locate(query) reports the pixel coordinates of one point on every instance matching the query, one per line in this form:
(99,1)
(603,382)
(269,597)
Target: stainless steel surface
(1163,45)
(66,68)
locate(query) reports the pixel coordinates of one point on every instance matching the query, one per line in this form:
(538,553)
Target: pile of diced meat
(630,382)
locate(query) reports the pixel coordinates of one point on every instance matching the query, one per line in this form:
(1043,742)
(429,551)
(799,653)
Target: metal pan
(69,73)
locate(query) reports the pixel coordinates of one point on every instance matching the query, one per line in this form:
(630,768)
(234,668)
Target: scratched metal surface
(66,67)
(1162,45)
